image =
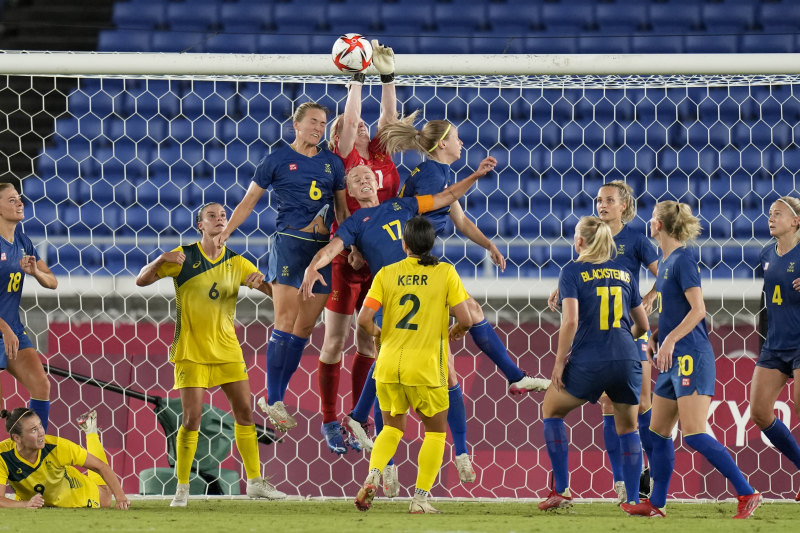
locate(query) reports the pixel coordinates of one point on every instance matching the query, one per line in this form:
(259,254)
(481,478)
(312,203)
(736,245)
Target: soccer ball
(352,53)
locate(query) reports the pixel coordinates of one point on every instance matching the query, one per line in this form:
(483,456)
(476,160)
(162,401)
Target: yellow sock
(185,447)
(430,459)
(385,447)
(95,447)
(247,444)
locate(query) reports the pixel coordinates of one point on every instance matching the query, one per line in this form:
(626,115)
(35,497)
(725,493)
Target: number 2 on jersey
(605,307)
(405,322)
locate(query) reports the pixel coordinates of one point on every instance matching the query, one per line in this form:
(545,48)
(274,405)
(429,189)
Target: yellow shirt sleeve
(456,293)
(376,289)
(170,270)
(246,267)
(69,453)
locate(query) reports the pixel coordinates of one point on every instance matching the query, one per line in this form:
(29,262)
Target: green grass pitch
(241,516)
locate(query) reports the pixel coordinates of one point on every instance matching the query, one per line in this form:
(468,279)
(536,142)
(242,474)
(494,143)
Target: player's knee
(762,417)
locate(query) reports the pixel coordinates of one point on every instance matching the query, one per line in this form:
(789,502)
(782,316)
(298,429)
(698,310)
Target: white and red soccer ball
(352,53)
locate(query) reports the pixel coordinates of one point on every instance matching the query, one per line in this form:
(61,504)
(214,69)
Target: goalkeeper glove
(383,59)
(357,79)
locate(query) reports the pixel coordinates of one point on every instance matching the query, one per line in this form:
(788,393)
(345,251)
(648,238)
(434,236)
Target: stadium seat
(124,41)
(139,15)
(197,15)
(711,44)
(516,18)
(177,41)
(613,18)
(440,43)
(753,43)
(399,18)
(666,19)
(779,17)
(353,17)
(497,44)
(604,44)
(722,18)
(246,17)
(568,18)
(657,44)
(273,43)
(459,19)
(292,19)
(232,43)
(550,44)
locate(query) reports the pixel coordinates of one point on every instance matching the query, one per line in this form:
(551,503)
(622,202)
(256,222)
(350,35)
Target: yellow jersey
(52,475)
(414,336)
(206,292)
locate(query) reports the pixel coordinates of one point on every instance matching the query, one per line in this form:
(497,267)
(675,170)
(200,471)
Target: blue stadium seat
(657,44)
(514,18)
(400,18)
(604,44)
(177,41)
(568,18)
(711,44)
(139,15)
(614,18)
(123,41)
(550,44)
(753,43)
(459,19)
(353,17)
(730,18)
(440,43)
(292,18)
(246,17)
(401,44)
(779,17)
(197,15)
(669,19)
(232,43)
(273,43)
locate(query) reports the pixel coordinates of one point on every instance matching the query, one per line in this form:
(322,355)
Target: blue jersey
(430,177)
(783,302)
(676,274)
(606,293)
(12,277)
(303,186)
(378,231)
(634,250)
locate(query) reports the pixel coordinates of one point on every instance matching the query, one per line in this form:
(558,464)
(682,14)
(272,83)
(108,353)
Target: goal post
(142,140)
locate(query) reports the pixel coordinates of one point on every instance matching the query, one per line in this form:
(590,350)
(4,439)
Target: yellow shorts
(191,374)
(397,398)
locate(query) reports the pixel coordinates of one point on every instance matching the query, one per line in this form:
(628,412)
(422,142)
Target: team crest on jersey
(621,249)
(685,382)
(666,272)
(285,271)
(396,206)
(292,166)
(327,168)
(791,267)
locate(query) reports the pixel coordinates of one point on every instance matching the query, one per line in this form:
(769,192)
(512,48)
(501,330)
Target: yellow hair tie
(446,131)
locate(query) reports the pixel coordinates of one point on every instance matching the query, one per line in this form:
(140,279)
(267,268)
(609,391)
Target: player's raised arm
(149,273)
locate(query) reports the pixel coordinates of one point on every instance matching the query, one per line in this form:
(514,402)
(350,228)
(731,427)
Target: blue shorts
(24,342)
(787,361)
(621,380)
(290,255)
(692,372)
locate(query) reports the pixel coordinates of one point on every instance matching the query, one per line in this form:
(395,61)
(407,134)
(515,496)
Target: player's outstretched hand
(123,505)
(486,166)
(310,277)
(497,258)
(28,264)
(382,57)
(36,502)
(254,280)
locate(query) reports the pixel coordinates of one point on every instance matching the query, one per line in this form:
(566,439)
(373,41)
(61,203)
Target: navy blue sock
(368,397)
(378,416)
(276,354)
(631,451)
(457,419)
(294,352)
(780,436)
(485,337)
(662,463)
(719,457)
(42,409)
(612,447)
(644,432)
(555,437)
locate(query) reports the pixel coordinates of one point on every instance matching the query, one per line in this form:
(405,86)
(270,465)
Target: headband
(787,205)
(446,131)
(18,419)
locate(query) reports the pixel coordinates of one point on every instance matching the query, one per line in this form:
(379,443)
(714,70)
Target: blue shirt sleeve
(567,288)
(265,172)
(647,252)
(636,298)
(338,173)
(347,231)
(688,273)
(27,244)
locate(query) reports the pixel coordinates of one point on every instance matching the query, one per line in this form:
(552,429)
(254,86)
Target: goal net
(113,166)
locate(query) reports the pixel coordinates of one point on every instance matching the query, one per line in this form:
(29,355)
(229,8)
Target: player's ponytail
(597,239)
(336,129)
(794,207)
(401,135)
(419,236)
(678,220)
(14,416)
(625,192)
